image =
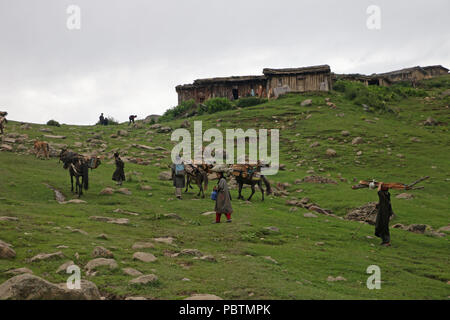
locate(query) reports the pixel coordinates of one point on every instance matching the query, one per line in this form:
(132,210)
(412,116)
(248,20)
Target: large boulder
(30,287)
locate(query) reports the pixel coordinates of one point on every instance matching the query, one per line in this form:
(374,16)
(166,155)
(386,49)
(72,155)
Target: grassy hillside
(303,252)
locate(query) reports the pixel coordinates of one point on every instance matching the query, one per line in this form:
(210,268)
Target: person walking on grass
(223,199)
(384,214)
(119,174)
(131,119)
(178,176)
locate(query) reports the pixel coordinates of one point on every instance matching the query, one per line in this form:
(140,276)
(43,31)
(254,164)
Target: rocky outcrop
(30,287)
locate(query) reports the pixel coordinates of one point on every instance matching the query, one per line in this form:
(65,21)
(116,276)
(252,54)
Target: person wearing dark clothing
(384,214)
(119,174)
(223,200)
(102,119)
(131,119)
(178,177)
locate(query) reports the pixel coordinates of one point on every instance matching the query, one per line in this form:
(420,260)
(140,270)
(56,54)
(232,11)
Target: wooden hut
(407,74)
(232,88)
(371,80)
(315,78)
(435,71)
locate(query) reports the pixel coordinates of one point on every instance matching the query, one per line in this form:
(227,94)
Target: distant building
(271,84)
(275,82)
(376,80)
(407,74)
(435,71)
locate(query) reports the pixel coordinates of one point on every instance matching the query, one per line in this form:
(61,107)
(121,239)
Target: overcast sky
(129,55)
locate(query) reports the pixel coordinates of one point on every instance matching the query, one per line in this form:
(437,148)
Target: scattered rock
(142,245)
(47,256)
(107,191)
(345,133)
(30,287)
(331,153)
(417,228)
(367,213)
(132,272)
(430,122)
(338,278)
(318,179)
(405,195)
(124,191)
(144,257)
(306,102)
(120,221)
(62,268)
(135,298)
(357,140)
(165,175)
(18,271)
(100,262)
(272,229)
(310,215)
(271,259)
(102,252)
(166,240)
(5,218)
(48,136)
(146,279)
(102,236)
(122,133)
(203,297)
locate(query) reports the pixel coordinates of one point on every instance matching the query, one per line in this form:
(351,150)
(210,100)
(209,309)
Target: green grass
(415,267)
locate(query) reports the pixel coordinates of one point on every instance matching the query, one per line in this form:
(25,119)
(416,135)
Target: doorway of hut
(235,94)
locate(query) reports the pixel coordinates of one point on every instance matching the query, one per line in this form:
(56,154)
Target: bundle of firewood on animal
(250,174)
(197,172)
(78,166)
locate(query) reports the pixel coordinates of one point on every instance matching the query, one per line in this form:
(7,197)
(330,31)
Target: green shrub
(214,105)
(53,123)
(249,101)
(186,107)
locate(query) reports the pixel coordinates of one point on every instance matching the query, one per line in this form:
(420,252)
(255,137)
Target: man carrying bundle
(384,214)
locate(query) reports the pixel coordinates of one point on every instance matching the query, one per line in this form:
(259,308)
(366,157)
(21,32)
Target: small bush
(53,123)
(186,107)
(214,105)
(249,102)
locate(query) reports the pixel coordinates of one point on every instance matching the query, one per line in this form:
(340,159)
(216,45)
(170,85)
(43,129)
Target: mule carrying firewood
(78,166)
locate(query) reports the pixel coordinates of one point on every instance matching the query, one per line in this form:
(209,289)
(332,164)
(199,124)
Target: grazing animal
(198,174)
(252,178)
(78,166)
(3,120)
(41,146)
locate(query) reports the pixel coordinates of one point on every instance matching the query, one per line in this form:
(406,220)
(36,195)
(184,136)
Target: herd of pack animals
(79,165)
